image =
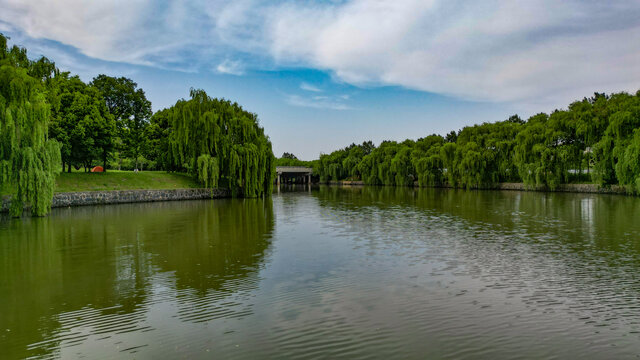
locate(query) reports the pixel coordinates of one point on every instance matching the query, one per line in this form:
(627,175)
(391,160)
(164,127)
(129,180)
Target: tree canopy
(131,110)
(29,160)
(52,121)
(81,122)
(595,139)
(221,143)
(290,156)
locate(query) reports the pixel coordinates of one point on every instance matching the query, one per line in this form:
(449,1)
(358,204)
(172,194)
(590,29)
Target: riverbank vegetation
(288,159)
(595,140)
(52,122)
(28,158)
(217,140)
(119,180)
(124,180)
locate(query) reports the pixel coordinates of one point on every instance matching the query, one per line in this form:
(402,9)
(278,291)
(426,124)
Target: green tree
(82,123)
(221,143)
(131,110)
(427,161)
(157,134)
(29,160)
(610,152)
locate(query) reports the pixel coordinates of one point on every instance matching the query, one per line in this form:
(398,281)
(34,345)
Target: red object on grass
(97,169)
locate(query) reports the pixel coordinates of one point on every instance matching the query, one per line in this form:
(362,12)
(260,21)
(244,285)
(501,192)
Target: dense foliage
(29,160)
(81,122)
(131,110)
(288,159)
(217,140)
(596,139)
(52,121)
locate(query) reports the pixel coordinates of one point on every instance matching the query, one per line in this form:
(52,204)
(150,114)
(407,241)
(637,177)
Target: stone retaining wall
(346,182)
(126,196)
(575,188)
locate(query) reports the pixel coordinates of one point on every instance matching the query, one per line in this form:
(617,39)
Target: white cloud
(97,28)
(230,67)
(542,51)
(318,102)
(128,31)
(309,87)
(545,51)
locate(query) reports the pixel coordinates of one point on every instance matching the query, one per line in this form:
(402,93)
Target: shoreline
(108,197)
(567,188)
(112,197)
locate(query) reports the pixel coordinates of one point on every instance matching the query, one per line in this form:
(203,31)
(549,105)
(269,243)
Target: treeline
(52,121)
(288,159)
(593,140)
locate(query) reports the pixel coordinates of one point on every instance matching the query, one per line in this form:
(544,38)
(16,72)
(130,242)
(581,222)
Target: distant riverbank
(573,188)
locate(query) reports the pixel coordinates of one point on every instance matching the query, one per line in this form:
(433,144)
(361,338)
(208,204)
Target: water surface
(336,272)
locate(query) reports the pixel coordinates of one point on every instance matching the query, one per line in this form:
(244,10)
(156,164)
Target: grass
(123,180)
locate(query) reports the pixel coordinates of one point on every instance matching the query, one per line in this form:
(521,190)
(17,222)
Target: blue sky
(323,74)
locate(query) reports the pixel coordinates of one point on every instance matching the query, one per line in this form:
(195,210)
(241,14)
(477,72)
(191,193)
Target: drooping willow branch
(219,142)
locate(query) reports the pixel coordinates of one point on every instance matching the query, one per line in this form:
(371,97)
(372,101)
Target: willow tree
(221,144)
(29,161)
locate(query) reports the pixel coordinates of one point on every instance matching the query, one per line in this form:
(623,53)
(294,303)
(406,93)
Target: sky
(322,74)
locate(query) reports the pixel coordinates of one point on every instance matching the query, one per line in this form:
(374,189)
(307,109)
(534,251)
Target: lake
(332,272)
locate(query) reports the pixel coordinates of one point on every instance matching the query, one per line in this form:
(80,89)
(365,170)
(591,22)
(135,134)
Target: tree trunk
(69,168)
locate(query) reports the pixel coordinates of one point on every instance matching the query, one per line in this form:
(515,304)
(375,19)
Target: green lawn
(123,180)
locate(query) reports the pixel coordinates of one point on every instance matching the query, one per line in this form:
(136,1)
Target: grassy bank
(123,180)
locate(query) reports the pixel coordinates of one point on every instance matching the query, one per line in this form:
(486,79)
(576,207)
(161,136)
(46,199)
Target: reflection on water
(104,274)
(336,272)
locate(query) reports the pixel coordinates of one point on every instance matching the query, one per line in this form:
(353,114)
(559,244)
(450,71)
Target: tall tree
(157,144)
(81,122)
(220,142)
(29,160)
(130,108)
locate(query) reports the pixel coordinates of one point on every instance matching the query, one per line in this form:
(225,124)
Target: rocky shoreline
(86,198)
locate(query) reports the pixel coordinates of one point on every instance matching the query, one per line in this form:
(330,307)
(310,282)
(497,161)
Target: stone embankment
(126,196)
(345,182)
(574,188)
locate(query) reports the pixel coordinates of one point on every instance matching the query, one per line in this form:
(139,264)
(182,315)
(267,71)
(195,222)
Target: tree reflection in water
(91,272)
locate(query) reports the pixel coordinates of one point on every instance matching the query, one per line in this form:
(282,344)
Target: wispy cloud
(496,51)
(309,87)
(5,27)
(231,67)
(318,102)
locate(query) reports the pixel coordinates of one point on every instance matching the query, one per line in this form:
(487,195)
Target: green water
(329,273)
